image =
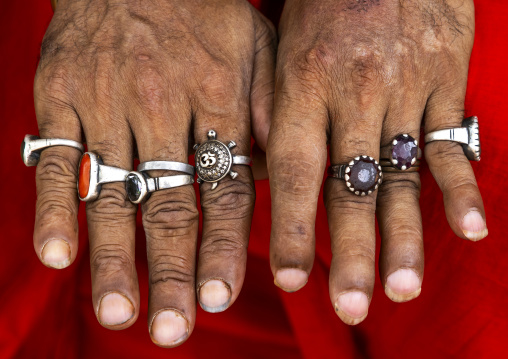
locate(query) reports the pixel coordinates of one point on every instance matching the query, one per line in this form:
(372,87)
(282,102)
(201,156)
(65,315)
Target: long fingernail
(352,307)
(214,295)
(114,309)
(290,279)
(403,285)
(169,328)
(474,226)
(56,253)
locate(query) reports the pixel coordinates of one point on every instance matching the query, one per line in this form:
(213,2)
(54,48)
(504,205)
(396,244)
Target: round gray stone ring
(32,146)
(139,185)
(363,175)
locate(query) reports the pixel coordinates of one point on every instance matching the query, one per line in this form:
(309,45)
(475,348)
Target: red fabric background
(462,311)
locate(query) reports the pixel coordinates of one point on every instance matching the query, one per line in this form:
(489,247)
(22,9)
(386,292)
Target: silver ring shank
(337,171)
(108,174)
(42,143)
(242,160)
(458,134)
(166,165)
(159,183)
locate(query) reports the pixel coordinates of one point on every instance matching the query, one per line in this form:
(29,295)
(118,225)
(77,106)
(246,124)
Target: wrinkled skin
(149,79)
(355,74)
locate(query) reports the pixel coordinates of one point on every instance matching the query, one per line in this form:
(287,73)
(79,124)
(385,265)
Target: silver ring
(166,165)
(401,154)
(363,175)
(214,160)
(32,146)
(93,174)
(468,136)
(139,185)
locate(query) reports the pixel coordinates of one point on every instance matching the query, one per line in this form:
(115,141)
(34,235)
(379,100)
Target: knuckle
(226,243)
(396,185)
(344,201)
(151,87)
(294,173)
(366,67)
(233,199)
(318,60)
(170,215)
(55,84)
(112,206)
(171,268)
(110,259)
(354,249)
(55,167)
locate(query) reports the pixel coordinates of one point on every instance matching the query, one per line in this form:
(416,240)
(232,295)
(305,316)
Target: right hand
(152,77)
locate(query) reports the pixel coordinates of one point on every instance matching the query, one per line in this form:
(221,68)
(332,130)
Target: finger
(111,217)
(227,209)
(398,211)
(451,168)
(356,130)
(56,226)
(296,158)
(170,217)
(263,79)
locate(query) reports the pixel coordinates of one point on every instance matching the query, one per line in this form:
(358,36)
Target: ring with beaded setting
(214,160)
(363,175)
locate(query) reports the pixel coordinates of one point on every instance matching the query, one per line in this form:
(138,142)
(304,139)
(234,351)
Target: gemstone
(23,144)
(364,175)
(133,187)
(84,175)
(404,151)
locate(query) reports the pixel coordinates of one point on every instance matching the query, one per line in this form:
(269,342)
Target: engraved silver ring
(32,146)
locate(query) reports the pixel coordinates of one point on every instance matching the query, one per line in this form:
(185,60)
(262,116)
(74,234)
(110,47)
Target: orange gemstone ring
(93,174)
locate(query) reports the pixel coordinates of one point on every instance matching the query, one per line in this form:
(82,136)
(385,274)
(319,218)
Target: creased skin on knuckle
(223,243)
(172,268)
(352,249)
(55,168)
(111,207)
(398,185)
(346,202)
(109,260)
(232,198)
(170,215)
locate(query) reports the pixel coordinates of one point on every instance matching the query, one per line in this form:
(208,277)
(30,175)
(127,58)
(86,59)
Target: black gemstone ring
(363,175)
(401,154)
(139,185)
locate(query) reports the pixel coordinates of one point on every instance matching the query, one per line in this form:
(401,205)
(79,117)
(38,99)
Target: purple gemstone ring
(363,175)
(402,153)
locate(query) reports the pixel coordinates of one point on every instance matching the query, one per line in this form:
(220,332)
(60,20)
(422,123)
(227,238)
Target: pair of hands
(149,79)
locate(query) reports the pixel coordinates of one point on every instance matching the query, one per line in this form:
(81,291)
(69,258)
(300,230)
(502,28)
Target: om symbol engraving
(208,159)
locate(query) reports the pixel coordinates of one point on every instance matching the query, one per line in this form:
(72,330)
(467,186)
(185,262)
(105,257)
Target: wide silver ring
(468,136)
(166,165)
(139,185)
(363,174)
(214,160)
(93,174)
(32,146)
(401,154)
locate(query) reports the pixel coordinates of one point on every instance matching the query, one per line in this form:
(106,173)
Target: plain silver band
(108,174)
(157,183)
(42,143)
(166,165)
(458,134)
(242,160)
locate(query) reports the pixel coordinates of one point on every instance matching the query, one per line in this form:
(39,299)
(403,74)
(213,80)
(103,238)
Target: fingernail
(403,285)
(290,279)
(214,295)
(115,309)
(169,328)
(56,253)
(352,307)
(474,226)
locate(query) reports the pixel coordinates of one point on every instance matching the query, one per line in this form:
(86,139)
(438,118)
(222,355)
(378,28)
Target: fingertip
(169,328)
(214,295)
(114,309)
(56,253)
(352,307)
(290,279)
(473,226)
(403,285)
